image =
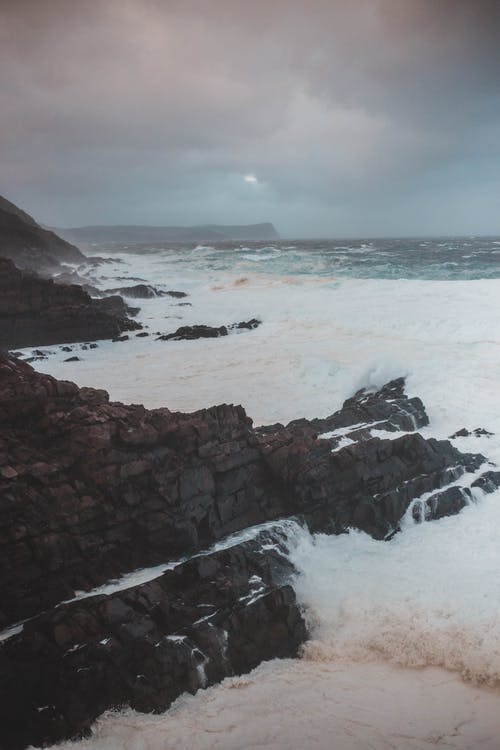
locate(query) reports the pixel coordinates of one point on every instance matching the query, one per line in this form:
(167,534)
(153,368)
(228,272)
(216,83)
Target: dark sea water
(439,258)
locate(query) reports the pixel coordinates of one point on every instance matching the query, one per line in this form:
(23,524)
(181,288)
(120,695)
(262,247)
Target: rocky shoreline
(145,552)
(92,490)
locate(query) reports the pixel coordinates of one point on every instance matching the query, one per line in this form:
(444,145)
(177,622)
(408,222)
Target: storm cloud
(356,118)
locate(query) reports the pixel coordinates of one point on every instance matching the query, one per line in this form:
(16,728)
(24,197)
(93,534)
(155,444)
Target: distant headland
(140,234)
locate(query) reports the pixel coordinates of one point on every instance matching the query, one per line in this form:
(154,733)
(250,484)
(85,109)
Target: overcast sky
(327,117)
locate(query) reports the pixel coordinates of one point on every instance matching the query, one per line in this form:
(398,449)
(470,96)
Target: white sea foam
(297,705)
(430,596)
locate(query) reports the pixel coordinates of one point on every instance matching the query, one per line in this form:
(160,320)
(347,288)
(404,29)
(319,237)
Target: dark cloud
(375,116)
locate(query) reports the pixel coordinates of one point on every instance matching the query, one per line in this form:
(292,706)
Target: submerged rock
(188,333)
(144,291)
(478,432)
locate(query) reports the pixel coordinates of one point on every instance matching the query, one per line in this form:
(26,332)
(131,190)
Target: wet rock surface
(211,617)
(189,333)
(145,291)
(91,490)
(39,312)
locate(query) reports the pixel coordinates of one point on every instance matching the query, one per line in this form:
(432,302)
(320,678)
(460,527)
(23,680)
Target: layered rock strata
(92,490)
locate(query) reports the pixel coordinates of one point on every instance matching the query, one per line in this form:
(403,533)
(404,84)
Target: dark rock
(478,432)
(386,409)
(90,490)
(116,307)
(144,291)
(189,333)
(73,359)
(73,277)
(35,311)
(120,338)
(248,325)
(142,334)
(211,617)
(177,295)
(487,482)
(29,245)
(447,503)
(105,488)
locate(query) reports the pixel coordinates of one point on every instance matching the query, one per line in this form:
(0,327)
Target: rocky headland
(143,553)
(30,246)
(37,312)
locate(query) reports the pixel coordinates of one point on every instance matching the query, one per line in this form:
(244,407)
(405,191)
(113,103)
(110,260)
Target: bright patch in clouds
(250,178)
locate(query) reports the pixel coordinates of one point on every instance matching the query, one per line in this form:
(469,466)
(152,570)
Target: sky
(330,118)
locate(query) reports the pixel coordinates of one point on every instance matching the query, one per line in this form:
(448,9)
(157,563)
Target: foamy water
(300,705)
(430,598)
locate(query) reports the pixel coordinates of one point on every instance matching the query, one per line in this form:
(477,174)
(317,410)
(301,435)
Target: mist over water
(336,317)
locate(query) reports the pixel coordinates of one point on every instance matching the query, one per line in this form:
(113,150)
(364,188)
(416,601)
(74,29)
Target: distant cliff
(139,234)
(29,245)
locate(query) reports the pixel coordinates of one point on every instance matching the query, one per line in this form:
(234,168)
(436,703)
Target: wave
(429,597)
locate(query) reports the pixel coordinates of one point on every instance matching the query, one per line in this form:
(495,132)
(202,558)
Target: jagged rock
(447,503)
(188,333)
(104,488)
(116,307)
(478,432)
(211,617)
(35,311)
(73,359)
(387,408)
(144,291)
(90,490)
(487,482)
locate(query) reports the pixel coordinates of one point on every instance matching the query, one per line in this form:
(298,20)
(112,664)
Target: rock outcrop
(92,490)
(29,245)
(145,291)
(211,617)
(190,333)
(39,312)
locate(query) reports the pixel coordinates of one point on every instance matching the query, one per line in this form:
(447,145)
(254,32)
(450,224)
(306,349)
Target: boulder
(189,333)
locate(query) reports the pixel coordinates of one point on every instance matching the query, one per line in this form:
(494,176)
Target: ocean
(405,635)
